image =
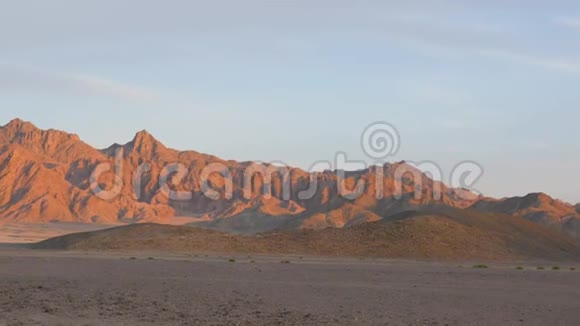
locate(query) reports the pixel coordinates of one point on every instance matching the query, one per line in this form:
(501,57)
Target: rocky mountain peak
(56,144)
(19,125)
(145,145)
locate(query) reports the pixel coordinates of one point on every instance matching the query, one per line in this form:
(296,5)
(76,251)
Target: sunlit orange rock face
(45,176)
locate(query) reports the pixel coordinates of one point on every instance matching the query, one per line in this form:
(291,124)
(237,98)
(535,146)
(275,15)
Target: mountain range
(49,176)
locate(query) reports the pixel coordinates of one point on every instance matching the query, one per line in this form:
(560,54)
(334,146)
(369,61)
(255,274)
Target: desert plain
(44,287)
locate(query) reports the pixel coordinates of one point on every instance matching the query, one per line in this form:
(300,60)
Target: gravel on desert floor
(49,288)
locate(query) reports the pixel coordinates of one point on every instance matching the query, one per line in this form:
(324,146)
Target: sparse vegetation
(540,268)
(232,260)
(481,266)
(556,268)
(133,258)
(151,258)
(520,268)
(285,262)
(572,268)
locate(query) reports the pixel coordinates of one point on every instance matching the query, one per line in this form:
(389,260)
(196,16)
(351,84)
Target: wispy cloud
(441,94)
(454,124)
(35,79)
(565,65)
(572,22)
(439,37)
(110,87)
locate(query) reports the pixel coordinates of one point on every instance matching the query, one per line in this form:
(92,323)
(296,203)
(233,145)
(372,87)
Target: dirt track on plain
(48,288)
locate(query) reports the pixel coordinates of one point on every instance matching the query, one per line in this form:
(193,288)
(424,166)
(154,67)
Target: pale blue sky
(495,82)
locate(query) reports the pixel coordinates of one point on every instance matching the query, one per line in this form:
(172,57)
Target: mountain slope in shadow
(430,233)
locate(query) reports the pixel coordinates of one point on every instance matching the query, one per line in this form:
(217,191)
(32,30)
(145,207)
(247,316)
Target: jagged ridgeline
(45,176)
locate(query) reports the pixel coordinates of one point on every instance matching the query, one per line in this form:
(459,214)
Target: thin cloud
(442,95)
(34,79)
(548,63)
(571,22)
(443,38)
(110,87)
(455,124)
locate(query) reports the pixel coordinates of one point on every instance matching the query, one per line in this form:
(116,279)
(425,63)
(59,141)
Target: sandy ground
(30,233)
(52,288)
